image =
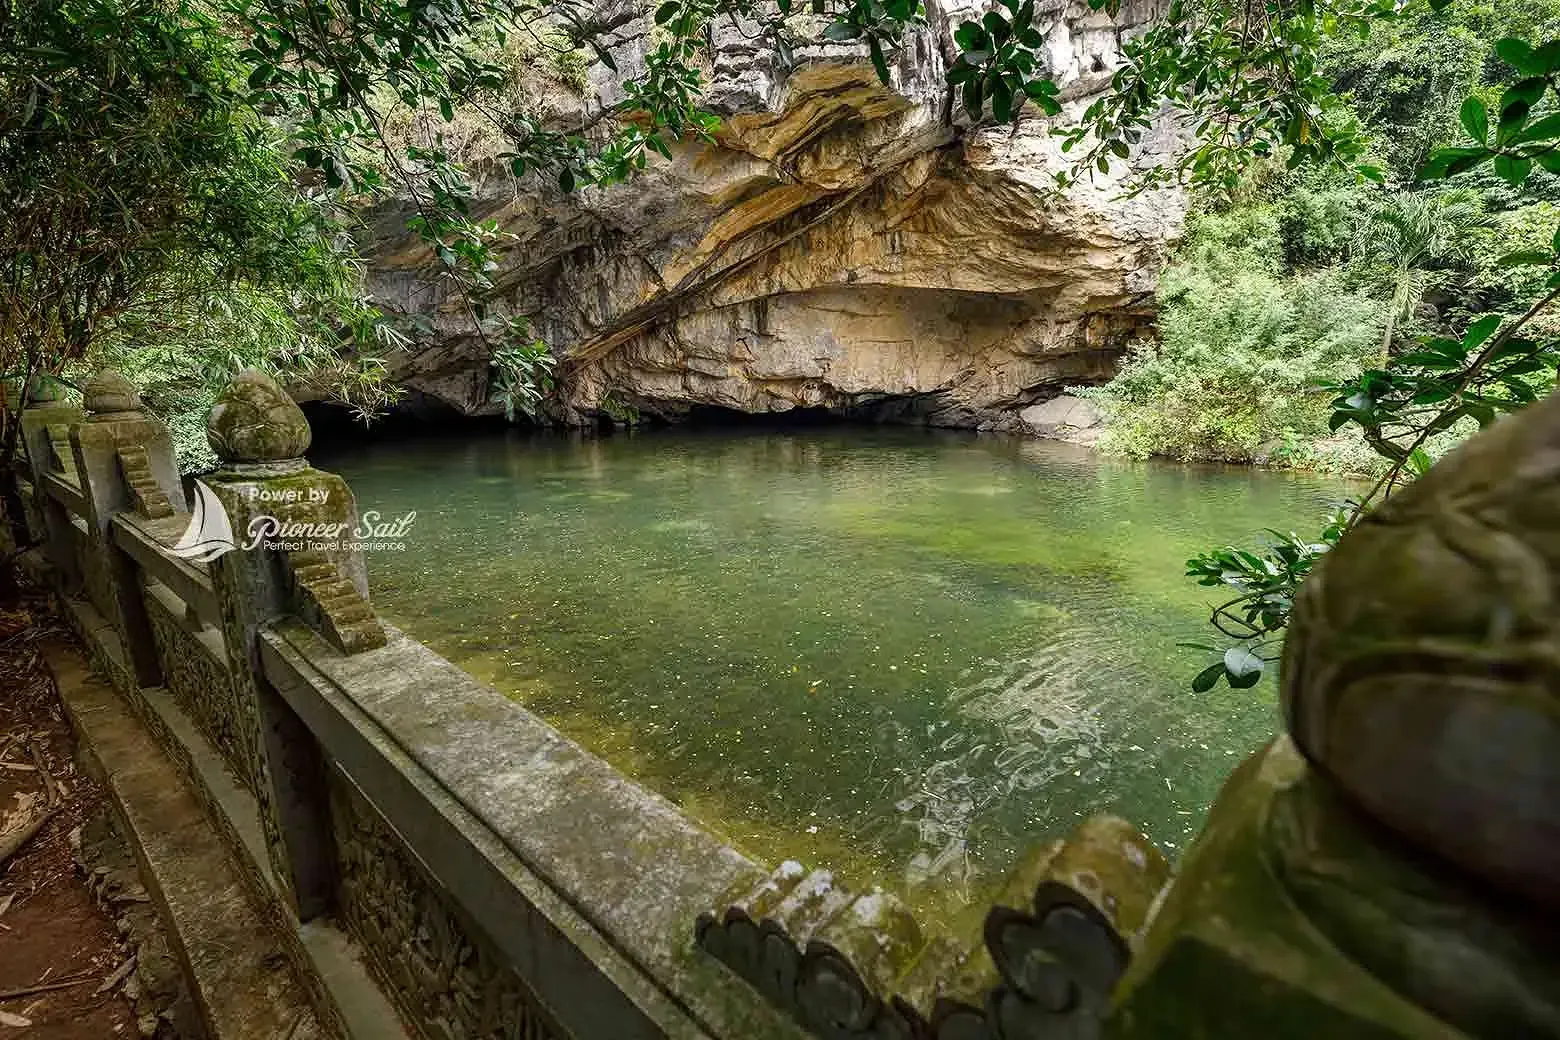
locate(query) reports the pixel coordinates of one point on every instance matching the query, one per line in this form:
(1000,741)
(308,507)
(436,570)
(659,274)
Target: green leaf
(997,26)
(1208,678)
(1419,462)
(666,12)
(1549,56)
(1428,359)
(1520,56)
(1434,395)
(566,179)
(879,63)
(1512,118)
(970,36)
(517,166)
(1449,162)
(1480,330)
(973,98)
(1476,118)
(1001,100)
(446,109)
(1526,258)
(1545,129)
(1513,170)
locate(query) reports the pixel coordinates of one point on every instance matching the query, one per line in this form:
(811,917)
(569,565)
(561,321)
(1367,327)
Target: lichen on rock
(254,421)
(110,395)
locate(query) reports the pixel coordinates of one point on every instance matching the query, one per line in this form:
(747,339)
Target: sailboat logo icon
(209,534)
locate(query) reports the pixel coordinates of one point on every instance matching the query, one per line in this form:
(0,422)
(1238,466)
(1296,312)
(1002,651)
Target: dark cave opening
(709,416)
(415,415)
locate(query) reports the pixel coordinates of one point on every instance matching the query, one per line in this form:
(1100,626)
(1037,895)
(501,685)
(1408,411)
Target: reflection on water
(902,654)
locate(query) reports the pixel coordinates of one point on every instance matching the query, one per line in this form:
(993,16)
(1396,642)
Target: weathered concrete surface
(1296,915)
(239,975)
(586,883)
(1420,670)
(841,244)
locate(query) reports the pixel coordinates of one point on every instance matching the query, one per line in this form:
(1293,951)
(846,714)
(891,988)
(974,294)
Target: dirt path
(51,929)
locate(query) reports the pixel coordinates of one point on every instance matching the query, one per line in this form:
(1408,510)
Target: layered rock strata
(841,244)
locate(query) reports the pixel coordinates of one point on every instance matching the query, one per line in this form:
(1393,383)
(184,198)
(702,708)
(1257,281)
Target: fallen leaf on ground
(116,978)
(8,1019)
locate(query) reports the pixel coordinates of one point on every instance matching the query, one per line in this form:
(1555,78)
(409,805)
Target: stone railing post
(292,527)
(46,421)
(124,461)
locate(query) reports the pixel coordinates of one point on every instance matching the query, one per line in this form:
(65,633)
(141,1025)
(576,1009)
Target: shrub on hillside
(1241,351)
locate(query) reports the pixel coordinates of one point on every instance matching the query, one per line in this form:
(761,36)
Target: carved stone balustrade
(847,965)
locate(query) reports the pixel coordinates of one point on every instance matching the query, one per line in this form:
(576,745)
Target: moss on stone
(110,393)
(255,421)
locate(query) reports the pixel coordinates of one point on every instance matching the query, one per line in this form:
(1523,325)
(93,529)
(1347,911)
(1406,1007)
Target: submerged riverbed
(902,654)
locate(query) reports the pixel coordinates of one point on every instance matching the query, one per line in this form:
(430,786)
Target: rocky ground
(81,954)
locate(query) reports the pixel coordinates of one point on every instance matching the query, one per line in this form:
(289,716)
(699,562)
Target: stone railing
(496,880)
(1386,870)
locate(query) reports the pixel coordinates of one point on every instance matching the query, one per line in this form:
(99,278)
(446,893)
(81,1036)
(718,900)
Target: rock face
(841,245)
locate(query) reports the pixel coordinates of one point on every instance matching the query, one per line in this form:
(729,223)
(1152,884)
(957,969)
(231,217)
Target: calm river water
(901,654)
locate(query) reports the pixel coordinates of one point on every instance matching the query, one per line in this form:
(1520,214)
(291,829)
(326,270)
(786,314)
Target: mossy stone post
(1391,867)
(266,486)
(46,410)
(122,457)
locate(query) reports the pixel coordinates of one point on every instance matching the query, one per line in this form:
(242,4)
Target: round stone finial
(254,421)
(1421,670)
(109,395)
(44,389)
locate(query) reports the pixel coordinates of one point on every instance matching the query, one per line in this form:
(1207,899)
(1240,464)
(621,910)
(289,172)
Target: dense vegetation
(1302,279)
(184,173)
(1465,338)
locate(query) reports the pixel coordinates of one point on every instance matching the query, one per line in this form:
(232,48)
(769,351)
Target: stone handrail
(63,491)
(146,542)
(500,882)
(493,873)
(576,872)
(497,879)
(479,858)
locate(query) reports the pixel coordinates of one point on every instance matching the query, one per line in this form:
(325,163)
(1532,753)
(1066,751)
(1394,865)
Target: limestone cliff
(842,244)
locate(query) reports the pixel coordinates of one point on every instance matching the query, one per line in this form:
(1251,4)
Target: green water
(902,654)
